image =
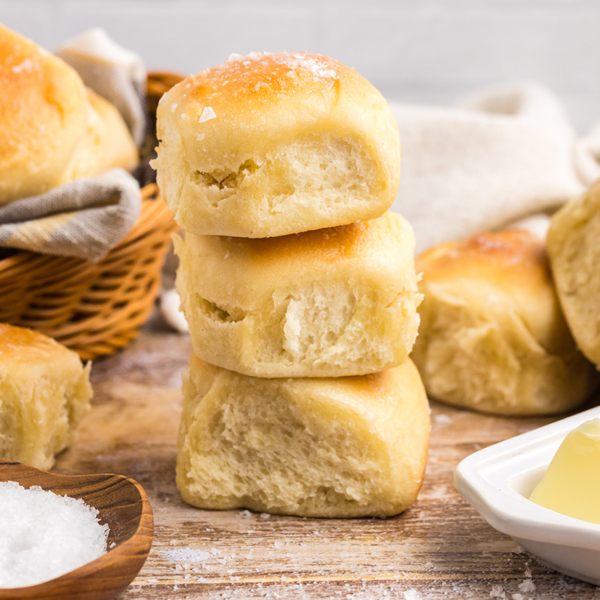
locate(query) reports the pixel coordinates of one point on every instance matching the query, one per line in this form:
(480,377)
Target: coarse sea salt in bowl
(119,518)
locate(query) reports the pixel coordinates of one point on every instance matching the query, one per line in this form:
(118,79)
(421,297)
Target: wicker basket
(94,308)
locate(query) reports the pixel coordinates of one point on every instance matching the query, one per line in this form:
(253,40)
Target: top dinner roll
(52,129)
(273,144)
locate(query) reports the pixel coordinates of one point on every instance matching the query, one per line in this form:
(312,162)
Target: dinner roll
(574,249)
(50,130)
(44,394)
(348,447)
(493,336)
(273,144)
(326,303)
(110,141)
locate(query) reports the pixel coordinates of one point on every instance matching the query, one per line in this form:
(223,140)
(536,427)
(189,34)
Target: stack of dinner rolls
(53,129)
(299,289)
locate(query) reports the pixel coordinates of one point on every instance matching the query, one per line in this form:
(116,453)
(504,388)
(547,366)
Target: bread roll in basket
(94,308)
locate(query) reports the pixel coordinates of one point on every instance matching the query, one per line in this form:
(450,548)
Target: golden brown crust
(269,79)
(19,344)
(509,257)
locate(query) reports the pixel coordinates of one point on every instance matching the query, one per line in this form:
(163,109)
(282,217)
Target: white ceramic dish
(498,480)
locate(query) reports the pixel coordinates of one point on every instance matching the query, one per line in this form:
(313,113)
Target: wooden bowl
(122,504)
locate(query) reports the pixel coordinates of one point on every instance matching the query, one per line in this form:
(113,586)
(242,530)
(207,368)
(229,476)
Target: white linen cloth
(115,73)
(499,156)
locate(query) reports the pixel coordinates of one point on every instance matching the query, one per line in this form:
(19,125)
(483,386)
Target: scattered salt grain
(412,594)
(442,419)
(200,136)
(179,555)
(174,107)
(45,535)
(207,114)
(527,586)
(26,65)
(265,516)
(498,592)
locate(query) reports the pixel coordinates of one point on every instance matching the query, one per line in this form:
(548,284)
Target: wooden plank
(438,549)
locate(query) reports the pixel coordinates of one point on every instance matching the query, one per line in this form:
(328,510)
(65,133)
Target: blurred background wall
(429,51)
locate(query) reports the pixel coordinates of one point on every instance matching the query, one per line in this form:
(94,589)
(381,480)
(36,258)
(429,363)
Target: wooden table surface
(439,549)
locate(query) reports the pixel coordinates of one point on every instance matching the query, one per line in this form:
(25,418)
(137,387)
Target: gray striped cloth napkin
(84,218)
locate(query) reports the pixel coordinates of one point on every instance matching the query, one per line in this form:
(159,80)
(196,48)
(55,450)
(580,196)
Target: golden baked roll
(493,337)
(110,141)
(347,447)
(44,394)
(326,303)
(574,249)
(51,133)
(272,144)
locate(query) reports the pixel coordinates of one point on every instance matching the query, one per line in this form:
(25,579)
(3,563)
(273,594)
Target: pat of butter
(571,485)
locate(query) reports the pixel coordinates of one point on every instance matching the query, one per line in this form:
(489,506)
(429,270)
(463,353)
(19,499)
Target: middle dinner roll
(493,336)
(347,447)
(326,303)
(273,144)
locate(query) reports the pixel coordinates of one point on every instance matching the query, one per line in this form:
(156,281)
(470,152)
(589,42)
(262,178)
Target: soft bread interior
(337,170)
(574,247)
(319,327)
(39,411)
(483,355)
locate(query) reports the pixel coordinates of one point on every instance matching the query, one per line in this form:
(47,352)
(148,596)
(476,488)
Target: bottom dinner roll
(44,394)
(574,249)
(346,447)
(493,337)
